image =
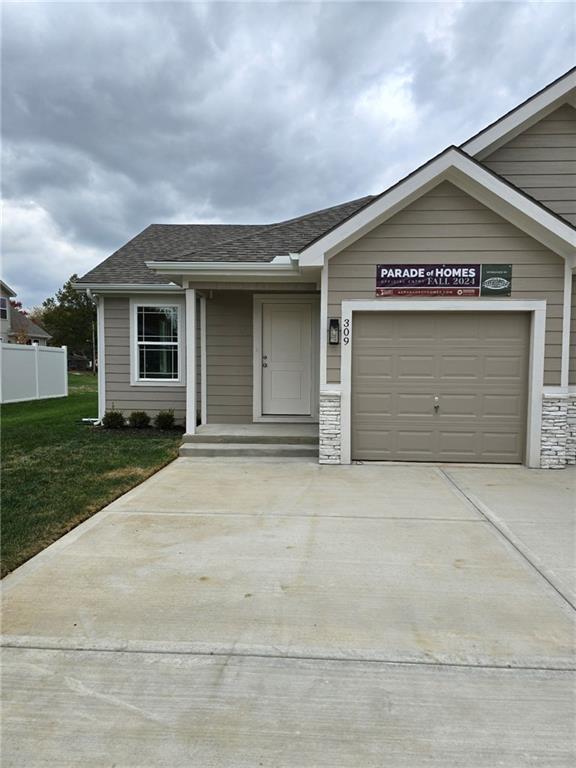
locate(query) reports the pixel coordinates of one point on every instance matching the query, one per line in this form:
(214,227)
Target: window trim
(6,308)
(135,380)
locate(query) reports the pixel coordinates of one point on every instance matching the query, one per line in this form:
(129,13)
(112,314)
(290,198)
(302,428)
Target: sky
(118,115)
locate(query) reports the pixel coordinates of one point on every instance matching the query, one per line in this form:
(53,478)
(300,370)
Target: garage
(440,386)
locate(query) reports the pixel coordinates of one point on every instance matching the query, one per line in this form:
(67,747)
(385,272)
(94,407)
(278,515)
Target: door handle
(436,403)
(264,365)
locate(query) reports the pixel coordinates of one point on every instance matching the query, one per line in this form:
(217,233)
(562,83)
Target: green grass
(57,471)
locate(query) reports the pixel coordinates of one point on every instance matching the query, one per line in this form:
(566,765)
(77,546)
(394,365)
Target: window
(3,308)
(157,343)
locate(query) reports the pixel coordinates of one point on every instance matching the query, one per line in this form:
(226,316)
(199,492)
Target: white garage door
(432,386)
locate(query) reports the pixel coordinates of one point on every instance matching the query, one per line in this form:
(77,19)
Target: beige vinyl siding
(229,357)
(542,161)
(572,366)
(120,394)
(447,225)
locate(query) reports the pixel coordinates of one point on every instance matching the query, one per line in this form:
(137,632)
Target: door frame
(291,298)
(537,310)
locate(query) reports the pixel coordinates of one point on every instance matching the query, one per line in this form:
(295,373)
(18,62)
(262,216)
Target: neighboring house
(15,326)
(431,322)
(6,293)
(24,331)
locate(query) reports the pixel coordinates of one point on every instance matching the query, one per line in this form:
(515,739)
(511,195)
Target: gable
(541,161)
(443,226)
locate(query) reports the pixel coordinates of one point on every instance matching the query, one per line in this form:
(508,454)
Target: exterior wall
(5,326)
(229,357)
(572,360)
(447,225)
(542,161)
(120,394)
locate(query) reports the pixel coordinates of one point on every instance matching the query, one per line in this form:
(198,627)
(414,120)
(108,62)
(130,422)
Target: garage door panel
(460,367)
(415,442)
(415,367)
(413,405)
(509,367)
(502,446)
(375,365)
(374,403)
(475,364)
(503,328)
(501,406)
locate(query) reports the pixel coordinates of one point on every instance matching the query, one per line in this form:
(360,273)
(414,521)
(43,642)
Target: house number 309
(346,332)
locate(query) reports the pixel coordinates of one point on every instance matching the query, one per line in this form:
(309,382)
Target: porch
(255,360)
(262,439)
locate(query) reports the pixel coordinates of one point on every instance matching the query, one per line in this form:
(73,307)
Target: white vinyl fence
(32,372)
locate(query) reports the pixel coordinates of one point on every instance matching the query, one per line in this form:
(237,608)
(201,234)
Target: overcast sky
(117,115)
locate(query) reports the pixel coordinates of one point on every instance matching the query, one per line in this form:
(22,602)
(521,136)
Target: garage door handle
(436,404)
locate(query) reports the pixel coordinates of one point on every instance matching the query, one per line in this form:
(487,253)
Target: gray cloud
(118,115)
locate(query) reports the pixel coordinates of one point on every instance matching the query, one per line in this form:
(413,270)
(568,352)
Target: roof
(157,241)
(21,324)
(6,289)
(214,243)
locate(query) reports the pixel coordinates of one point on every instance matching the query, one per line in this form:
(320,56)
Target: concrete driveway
(282,614)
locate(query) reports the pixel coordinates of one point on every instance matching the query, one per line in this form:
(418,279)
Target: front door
(286,359)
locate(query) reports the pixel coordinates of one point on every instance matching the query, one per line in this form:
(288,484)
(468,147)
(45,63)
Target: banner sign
(460,280)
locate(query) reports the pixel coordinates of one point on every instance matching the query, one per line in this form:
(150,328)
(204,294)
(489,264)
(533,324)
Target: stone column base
(558,446)
(330,435)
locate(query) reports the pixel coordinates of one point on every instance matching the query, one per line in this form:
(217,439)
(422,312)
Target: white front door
(286,359)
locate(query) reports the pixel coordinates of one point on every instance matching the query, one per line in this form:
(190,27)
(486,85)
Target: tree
(70,317)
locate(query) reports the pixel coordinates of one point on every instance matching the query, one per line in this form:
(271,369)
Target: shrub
(165,419)
(139,420)
(113,420)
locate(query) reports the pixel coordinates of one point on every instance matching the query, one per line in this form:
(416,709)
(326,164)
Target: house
(15,326)
(432,322)
(6,293)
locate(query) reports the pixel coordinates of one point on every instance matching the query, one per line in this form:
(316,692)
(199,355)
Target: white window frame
(537,310)
(135,379)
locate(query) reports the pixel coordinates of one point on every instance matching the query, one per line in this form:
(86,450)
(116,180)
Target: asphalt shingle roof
(21,324)
(215,242)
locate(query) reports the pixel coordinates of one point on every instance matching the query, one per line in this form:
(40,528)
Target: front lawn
(57,471)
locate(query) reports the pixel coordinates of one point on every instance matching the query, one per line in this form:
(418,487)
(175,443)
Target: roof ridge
(211,224)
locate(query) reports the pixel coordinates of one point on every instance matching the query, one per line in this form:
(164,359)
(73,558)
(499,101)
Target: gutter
(220,267)
(128,287)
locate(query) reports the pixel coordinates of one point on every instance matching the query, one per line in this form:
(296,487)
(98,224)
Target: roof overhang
(7,290)
(285,269)
(454,166)
(561,91)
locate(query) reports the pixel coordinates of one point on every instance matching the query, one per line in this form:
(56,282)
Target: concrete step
(250,439)
(248,449)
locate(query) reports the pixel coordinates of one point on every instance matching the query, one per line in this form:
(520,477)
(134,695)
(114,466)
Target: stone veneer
(558,446)
(330,428)
(571,425)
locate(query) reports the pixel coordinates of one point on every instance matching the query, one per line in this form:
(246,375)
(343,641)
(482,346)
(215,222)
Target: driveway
(277,613)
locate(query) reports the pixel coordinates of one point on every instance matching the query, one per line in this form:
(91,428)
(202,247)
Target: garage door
(431,386)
